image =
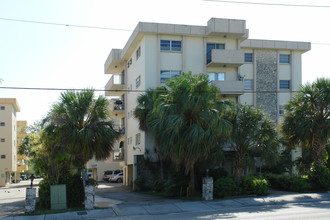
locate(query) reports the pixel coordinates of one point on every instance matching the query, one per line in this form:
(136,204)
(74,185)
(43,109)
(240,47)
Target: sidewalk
(114,208)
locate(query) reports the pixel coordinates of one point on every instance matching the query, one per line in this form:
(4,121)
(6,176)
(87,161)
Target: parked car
(109,173)
(116,178)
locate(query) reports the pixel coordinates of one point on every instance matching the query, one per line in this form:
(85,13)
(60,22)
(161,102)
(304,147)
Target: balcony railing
(220,57)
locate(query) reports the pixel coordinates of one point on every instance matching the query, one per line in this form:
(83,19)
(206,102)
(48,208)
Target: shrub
(225,186)
(246,185)
(159,185)
(259,186)
(75,193)
(139,183)
(288,183)
(44,194)
(319,178)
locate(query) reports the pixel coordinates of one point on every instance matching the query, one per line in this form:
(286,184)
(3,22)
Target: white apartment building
(8,137)
(257,72)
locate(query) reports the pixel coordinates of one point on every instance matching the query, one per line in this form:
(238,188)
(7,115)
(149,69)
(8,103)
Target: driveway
(109,194)
(12,197)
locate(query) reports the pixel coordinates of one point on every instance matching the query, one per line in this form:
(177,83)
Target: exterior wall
(8,132)
(265,70)
(101,166)
(21,134)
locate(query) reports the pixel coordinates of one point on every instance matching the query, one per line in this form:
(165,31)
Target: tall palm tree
(307,119)
(253,135)
(188,121)
(83,126)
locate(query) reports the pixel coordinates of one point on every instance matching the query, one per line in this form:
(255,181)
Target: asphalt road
(300,211)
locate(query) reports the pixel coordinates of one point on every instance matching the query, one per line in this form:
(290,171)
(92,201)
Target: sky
(71,55)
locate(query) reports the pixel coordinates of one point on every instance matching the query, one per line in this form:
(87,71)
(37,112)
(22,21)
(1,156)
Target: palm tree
(253,135)
(188,122)
(83,126)
(307,119)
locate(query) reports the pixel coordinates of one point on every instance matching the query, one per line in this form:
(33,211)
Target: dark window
(138,82)
(210,47)
(170,45)
(2,123)
(248,57)
(138,53)
(3,156)
(284,58)
(281,110)
(2,107)
(284,84)
(165,75)
(2,140)
(248,84)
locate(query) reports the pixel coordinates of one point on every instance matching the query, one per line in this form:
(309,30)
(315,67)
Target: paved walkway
(117,209)
(117,201)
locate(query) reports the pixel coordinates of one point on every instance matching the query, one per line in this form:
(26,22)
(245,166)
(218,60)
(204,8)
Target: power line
(139,91)
(66,25)
(102,28)
(270,4)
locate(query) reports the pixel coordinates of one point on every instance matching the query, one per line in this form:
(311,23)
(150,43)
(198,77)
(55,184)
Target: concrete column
(30,200)
(208,188)
(89,196)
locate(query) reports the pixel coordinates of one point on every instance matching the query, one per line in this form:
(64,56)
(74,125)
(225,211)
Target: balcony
(115,86)
(230,87)
(114,64)
(225,58)
(118,108)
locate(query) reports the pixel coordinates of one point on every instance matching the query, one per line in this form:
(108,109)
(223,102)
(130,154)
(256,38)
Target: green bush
(319,178)
(139,183)
(225,186)
(246,185)
(75,193)
(259,186)
(288,183)
(44,194)
(159,185)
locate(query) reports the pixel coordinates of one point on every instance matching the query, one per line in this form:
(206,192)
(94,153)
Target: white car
(116,178)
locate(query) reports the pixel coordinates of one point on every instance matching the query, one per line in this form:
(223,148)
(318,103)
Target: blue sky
(55,56)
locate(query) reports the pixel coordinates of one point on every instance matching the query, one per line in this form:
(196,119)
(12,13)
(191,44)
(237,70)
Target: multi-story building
(116,159)
(22,165)
(8,143)
(257,72)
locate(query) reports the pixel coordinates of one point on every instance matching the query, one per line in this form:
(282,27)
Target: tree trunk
(192,179)
(317,152)
(238,165)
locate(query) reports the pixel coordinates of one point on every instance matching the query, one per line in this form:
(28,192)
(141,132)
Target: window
(248,57)
(130,140)
(170,45)
(210,47)
(138,53)
(284,58)
(216,76)
(138,82)
(129,63)
(3,156)
(281,110)
(2,107)
(138,138)
(2,123)
(284,84)
(2,140)
(165,75)
(248,84)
